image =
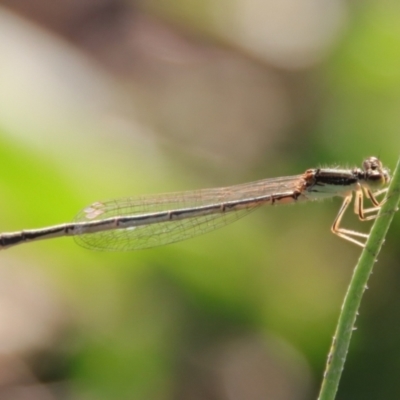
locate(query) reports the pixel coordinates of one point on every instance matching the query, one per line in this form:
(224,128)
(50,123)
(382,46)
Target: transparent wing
(161,233)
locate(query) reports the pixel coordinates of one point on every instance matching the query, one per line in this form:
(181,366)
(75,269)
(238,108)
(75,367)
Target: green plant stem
(358,284)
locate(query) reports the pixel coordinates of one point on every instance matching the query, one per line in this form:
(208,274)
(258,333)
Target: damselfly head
(375,173)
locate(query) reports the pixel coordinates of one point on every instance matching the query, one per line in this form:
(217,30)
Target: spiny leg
(347,233)
(359,206)
(359,203)
(372,196)
(360,211)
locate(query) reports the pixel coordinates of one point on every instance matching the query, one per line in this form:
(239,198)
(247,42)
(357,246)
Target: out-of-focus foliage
(119,99)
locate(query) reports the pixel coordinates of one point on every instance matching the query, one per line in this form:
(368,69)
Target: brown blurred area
(106,29)
(223,83)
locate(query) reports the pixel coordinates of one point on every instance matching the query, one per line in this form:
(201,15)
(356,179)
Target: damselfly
(149,221)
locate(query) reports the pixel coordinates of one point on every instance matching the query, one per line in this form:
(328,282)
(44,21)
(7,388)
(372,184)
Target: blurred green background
(100,100)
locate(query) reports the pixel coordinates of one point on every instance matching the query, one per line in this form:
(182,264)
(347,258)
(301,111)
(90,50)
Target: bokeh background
(114,98)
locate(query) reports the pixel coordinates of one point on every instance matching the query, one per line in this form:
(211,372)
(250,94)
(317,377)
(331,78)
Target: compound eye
(372,163)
